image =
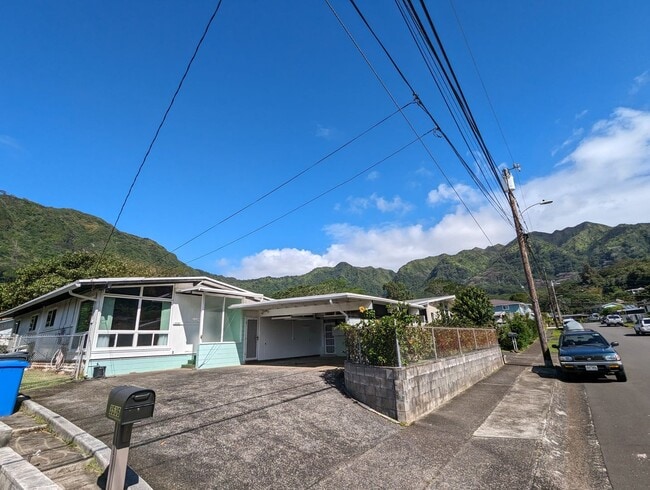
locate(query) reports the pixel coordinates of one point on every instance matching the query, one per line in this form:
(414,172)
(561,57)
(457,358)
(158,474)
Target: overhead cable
(318,196)
(160,125)
(294,177)
(383,84)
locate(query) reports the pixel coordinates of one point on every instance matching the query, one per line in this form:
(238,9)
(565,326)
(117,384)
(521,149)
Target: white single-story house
(126,325)
(131,324)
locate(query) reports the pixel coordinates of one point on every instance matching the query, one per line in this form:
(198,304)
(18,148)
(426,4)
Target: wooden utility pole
(557,313)
(523,249)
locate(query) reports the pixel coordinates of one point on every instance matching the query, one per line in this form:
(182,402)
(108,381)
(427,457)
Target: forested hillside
(589,259)
(29,232)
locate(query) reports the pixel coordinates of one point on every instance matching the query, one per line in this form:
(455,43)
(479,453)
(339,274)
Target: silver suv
(642,327)
(613,320)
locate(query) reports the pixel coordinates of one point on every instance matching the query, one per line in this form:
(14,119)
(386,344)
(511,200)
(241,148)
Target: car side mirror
(614,344)
(555,346)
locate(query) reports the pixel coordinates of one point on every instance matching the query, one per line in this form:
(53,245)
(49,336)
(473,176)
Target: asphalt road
(621,411)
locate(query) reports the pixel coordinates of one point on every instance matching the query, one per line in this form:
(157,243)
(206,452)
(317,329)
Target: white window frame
(136,331)
(33,323)
(50,320)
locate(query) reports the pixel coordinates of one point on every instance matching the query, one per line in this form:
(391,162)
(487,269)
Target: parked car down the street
(594,317)
(642,327)
(571,324)
(585,352)
(613,320)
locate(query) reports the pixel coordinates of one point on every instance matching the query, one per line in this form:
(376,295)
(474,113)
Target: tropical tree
(326,287)
(472,306)
(397,290)
(45,275)
(442,287)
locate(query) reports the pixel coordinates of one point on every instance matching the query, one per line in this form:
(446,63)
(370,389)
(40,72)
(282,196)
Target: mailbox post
(126,405)
(513,337)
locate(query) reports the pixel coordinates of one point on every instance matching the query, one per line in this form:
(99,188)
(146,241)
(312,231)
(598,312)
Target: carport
(307,325)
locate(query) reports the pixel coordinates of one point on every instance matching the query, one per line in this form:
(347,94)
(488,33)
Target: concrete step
(62,463)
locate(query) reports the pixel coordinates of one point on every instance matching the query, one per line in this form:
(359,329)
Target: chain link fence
(416,343)
(62,354)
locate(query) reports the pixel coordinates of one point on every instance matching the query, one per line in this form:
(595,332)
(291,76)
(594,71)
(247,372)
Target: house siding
(219,354)
(116,366)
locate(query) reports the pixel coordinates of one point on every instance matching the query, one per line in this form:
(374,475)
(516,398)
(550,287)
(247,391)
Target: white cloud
(6,140)
(278,262)
(445,193)
(639,82)
(575,136)
(606,179)
(374,175)
(424,172)
(581,114)
(323,132)
(394,205)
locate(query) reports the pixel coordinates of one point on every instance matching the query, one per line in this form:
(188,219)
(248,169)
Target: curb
(5,434)
(88,444)
(16,473)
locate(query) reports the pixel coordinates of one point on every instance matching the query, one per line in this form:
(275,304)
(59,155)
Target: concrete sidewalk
(281,427)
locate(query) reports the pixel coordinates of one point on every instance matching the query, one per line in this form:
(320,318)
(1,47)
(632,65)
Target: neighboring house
(127,325)
(503,309)
(435,308)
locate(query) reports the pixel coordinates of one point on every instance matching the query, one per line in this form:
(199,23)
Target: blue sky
(278,85)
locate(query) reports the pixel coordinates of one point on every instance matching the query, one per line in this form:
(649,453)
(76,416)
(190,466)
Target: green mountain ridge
(29,231)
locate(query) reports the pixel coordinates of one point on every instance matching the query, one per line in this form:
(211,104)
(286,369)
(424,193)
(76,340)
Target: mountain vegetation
(588,264)
(30,232)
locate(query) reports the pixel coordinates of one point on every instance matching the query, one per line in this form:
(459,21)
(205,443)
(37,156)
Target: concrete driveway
(259,426)
(252,426)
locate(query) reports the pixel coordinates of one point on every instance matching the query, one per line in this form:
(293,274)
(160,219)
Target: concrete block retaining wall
(407,393)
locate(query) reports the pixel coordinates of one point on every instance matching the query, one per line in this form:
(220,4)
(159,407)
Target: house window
(32,323)
(85,316)
(51,316)
(138,317)
(220,324)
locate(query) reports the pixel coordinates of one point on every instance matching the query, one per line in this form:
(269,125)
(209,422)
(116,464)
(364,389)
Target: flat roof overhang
(327,304)
(83,286)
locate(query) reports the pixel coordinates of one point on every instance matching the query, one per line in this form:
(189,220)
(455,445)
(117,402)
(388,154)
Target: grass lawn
(34,379)
(552,337)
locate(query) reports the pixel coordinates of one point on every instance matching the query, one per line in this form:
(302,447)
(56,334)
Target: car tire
(636,332)
(621,377)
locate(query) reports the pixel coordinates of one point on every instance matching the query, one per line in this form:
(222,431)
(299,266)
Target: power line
(452,81)
(304,204)
(437,127)
(160,125)
(478,73)
(418,35)
(294,177)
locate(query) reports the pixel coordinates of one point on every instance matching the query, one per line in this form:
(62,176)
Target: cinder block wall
(407,393)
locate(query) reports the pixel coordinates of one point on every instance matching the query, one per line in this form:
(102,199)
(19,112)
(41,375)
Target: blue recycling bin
(12,367)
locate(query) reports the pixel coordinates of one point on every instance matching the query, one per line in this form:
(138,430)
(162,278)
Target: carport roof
(333,300)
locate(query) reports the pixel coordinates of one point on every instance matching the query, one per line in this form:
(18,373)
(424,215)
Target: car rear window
(584,339)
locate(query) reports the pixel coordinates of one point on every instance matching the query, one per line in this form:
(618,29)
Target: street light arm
(543,202)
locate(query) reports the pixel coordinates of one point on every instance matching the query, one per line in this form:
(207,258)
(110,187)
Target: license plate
(591,368)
